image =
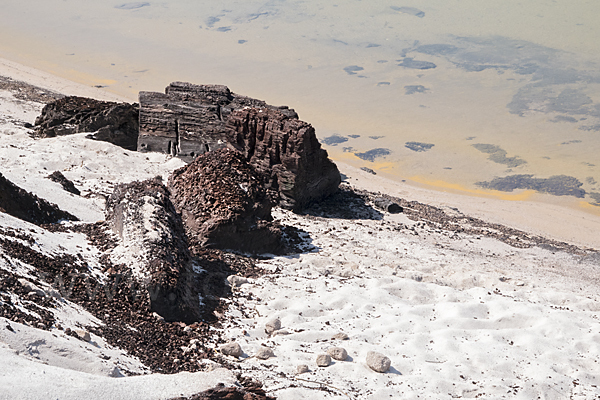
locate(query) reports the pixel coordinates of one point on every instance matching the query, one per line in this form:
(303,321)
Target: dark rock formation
(143,216)
(116,123)
(224,204)
(287,150)
(189,120)
(58,177)
(25,205)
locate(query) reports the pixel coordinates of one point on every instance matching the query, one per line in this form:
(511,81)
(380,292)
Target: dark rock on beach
(387,205)
(168,277)
(58,177)
(112,122)
(26,206)
(287,151)
(190,120)
(224,203)
(249,390)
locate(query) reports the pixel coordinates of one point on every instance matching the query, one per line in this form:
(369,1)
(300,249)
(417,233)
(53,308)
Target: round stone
(337,353)
(323,360)
(264,353)
(378,362)
(231,349)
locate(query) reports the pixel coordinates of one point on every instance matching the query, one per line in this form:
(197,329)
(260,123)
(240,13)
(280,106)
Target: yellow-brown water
(520,80)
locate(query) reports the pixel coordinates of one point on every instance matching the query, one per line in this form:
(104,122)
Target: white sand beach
(459,315)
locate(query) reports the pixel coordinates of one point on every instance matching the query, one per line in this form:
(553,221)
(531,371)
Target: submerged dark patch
(132,6)
(596,197)
(557,82)
(411,89)
(558,185)
(373,154)
(418,146)
(411,63)
(376,137)
(498,155)
(353,69)
(590,128)
(563,118)
(334,140)
(409,10)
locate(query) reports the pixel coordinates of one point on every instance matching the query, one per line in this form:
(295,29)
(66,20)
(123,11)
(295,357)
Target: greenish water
(489,94)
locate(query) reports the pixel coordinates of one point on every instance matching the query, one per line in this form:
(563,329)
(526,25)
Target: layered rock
(190,120)
(27,206)
(152,235)
(112,122)
(224,204)
(287,150)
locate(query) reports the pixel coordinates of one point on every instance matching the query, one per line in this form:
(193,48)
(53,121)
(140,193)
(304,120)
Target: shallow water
(469,93)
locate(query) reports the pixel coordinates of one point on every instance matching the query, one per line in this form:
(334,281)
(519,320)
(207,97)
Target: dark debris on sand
(249,390)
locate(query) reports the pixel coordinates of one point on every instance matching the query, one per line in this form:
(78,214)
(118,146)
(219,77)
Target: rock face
(26,206)
(224,204)
(143,216)
(190,120)
(287,150)
(116,123)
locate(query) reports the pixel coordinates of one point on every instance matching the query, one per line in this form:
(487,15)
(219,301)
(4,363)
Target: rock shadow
(344,204)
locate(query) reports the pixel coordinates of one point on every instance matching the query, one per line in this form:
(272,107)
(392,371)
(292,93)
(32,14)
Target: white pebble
(231,349)
(264,353)
(272,326)
(338,353)
(323,360)
(378,362)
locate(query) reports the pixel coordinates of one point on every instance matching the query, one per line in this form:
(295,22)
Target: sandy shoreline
(540,218)
(460,314)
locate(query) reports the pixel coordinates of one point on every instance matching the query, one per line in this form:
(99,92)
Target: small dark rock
(387,205)
(58,177)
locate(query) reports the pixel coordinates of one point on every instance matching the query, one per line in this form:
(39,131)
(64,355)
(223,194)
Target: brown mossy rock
(224,204)
(141,212)
(117,123)
(27,206)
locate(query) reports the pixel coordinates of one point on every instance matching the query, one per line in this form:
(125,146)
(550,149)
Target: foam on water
(442,93)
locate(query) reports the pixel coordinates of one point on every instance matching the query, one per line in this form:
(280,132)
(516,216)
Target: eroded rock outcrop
(224,204)
(287,150)
(155,247)
(112,122)
(27,206)
(189,120)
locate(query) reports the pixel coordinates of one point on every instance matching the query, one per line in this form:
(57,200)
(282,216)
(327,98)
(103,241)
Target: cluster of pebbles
(374,360)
